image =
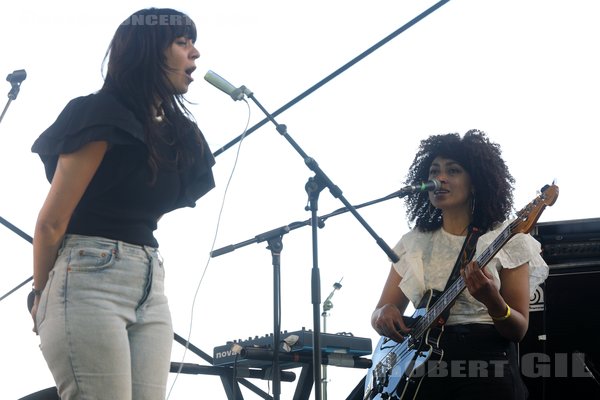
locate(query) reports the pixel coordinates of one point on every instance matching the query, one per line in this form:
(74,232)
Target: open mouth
(440,191)
(189,72)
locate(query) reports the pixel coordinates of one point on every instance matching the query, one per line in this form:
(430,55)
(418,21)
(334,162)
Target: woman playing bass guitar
(491,316)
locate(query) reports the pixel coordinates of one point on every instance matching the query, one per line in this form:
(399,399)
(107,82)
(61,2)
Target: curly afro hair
(490,178)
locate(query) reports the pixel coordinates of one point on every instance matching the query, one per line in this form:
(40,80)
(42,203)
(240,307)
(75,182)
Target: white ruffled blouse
(427,259)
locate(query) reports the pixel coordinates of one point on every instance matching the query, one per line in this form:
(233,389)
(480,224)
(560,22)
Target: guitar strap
(464,257)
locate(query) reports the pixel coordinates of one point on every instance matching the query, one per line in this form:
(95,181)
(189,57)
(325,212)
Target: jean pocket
(40,314)
(90,259)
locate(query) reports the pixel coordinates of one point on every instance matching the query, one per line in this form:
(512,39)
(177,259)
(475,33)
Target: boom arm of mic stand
(298,224)
(257,239)
(335,73)
(24,236)
(343,210)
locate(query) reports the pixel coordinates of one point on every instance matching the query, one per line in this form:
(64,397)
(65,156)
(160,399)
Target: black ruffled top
(120,202)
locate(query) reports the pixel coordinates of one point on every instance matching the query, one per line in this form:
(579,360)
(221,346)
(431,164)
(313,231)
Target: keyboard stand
(235,374)
(230,378)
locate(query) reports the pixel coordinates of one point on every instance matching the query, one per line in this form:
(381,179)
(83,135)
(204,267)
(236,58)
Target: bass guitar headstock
(529,215)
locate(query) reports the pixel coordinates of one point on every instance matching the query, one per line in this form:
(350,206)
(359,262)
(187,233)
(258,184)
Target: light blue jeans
(104,321)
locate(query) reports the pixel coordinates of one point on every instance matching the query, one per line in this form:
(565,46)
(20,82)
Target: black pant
(477,364)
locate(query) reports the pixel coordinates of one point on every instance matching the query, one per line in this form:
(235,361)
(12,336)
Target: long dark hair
(482,159)
(137,76)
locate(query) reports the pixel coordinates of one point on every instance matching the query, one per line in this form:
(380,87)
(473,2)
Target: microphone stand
(15,79)
(15,83)
(276,236)
(313,187)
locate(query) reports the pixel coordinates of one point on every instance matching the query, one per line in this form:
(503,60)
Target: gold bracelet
(505,316)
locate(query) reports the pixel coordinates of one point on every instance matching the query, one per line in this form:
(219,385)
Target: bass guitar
(398,368)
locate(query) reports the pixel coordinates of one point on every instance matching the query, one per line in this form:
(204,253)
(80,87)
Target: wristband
(37,292)
(505,316)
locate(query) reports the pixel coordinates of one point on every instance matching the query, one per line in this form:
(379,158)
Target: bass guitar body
(399,368)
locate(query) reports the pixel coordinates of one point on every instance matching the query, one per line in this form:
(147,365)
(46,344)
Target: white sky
(526,72)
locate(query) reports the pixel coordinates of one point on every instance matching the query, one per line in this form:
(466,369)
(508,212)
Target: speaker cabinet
(560,355)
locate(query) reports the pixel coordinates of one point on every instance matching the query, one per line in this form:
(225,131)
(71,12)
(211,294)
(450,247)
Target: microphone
(428,186)
(17,76)
(224,86)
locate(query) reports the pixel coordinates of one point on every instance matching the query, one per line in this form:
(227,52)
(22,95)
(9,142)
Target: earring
(431,211)
(473,205)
